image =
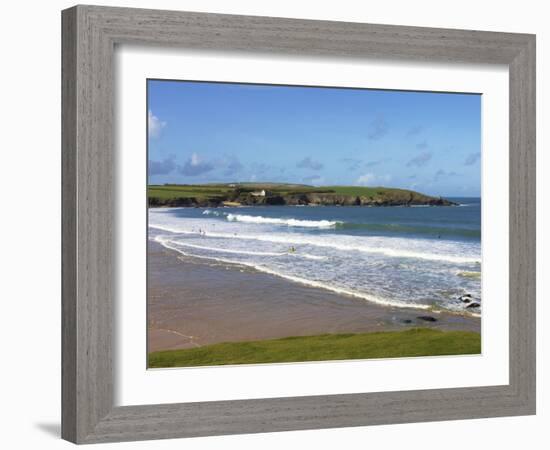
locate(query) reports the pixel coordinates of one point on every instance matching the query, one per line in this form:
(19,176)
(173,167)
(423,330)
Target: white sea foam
(164,239)
(312,283)
(165,209)
(277,221)
(245,218)
(336,242)
(208,212)
(412,272)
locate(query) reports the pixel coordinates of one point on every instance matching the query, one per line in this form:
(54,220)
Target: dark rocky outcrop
(185,201)
(427,318)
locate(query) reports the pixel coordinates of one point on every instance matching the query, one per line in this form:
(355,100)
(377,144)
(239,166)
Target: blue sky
(218,132)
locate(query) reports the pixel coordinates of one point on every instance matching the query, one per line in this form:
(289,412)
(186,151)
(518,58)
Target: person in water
(292,249)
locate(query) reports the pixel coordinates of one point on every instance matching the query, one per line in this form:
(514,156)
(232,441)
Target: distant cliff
(250,194)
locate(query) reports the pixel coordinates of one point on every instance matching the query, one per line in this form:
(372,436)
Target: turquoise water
(421,257)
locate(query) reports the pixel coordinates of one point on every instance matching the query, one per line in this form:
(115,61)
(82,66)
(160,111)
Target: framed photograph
(278,224)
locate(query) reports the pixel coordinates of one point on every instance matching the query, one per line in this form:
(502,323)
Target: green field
(365,191)
(207,194)
(325,347)
(182,191)
(222,190)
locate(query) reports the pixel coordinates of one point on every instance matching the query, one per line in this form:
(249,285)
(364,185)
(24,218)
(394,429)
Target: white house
(259,193)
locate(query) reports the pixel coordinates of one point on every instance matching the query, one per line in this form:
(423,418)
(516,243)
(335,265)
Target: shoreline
(316,285)
(193,302)
(310,205)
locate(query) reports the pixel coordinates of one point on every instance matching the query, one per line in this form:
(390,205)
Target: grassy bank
(325,347)
(172,191)
(207,195)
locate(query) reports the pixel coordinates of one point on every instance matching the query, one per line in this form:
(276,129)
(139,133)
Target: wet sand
(193,302)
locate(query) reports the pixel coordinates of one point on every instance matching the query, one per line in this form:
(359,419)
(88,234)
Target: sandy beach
(194,302)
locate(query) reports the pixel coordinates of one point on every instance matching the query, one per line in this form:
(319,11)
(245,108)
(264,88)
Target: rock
(427,318)
(275,200)
(473,305)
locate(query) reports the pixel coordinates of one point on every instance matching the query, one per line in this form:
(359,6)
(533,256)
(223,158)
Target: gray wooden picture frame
(90,34)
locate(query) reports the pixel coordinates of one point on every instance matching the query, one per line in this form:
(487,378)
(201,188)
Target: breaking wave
(370,254)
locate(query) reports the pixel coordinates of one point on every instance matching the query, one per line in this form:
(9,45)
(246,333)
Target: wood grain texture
(523,224)
(68,226)
(88,210)
(90,34)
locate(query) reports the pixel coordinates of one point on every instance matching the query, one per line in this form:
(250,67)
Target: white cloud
(155,125)
(308,163)
(195,166)
(232,165)
(370,179)
(163,167)
(378,128)
(366,179)
(420,160)
(472,158)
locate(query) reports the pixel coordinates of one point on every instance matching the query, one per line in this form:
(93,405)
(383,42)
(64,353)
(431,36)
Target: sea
(425,257)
